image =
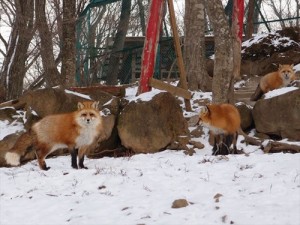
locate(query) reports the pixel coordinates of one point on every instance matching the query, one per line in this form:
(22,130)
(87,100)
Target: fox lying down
(284,76)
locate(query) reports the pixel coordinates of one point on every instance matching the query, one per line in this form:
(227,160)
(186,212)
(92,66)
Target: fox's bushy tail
(13,156)
(257,94)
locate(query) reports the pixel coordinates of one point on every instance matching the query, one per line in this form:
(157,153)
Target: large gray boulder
(279,115)
(150,126)
(246,115)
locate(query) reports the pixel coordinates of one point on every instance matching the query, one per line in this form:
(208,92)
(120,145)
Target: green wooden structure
(95,30)
(87,47)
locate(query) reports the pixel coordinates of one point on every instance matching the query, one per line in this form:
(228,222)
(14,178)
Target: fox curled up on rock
(76,131)
(283,77)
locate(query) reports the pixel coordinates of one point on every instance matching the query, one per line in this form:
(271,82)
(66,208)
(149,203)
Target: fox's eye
(83,114)
(92,114)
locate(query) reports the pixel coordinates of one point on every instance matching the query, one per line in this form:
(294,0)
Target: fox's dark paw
(46,168)
(75,167)
(83,167)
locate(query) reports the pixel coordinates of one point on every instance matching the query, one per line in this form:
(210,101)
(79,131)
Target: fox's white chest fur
(213,129)
(86,136)
(88,132)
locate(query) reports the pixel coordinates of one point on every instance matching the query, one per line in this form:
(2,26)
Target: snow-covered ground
(253,188)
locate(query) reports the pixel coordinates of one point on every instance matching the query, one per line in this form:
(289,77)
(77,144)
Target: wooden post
(150,49)
(237,31)
(238,16)
(150,45)
(178,51)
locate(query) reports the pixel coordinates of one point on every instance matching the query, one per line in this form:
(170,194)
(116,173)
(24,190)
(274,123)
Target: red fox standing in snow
(280,78)
(223,121)
(76,131)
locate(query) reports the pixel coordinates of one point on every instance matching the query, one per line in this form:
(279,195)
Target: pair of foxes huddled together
(79,130)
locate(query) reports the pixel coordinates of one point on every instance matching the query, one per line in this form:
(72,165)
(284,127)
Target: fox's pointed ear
(292,65)
(279,66)
(80,105)
(95,105)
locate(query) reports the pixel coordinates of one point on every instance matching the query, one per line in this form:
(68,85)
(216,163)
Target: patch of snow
(279,91)
(297,67)
(78,94)
(7,128)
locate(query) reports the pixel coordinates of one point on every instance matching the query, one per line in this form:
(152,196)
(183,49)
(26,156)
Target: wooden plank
(118,91)
(183,80)
(177,91)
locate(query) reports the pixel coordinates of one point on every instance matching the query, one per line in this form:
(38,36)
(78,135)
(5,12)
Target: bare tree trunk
(222,86)
(297,13)
(68,49)
(256,14)
(112,74)
(194,46)
(14,70)
(52,75)
(249,24)
(142,16)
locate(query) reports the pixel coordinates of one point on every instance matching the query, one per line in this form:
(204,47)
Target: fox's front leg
(217,139)
(81,154)
(74,154)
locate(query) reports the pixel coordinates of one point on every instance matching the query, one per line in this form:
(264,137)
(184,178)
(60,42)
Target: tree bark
(222,85)
(14,65)
(249,24)
(52,75)
(112,74)
(68,49)
(194,46)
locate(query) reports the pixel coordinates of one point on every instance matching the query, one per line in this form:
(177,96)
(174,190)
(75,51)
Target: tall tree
(68,50)
(222,85)
(51,73)
(14,65)
(194,46)
(112,74)
(249,25)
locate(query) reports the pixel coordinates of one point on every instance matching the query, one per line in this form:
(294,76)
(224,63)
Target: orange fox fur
(223,121)
(76,131)
(278,79)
